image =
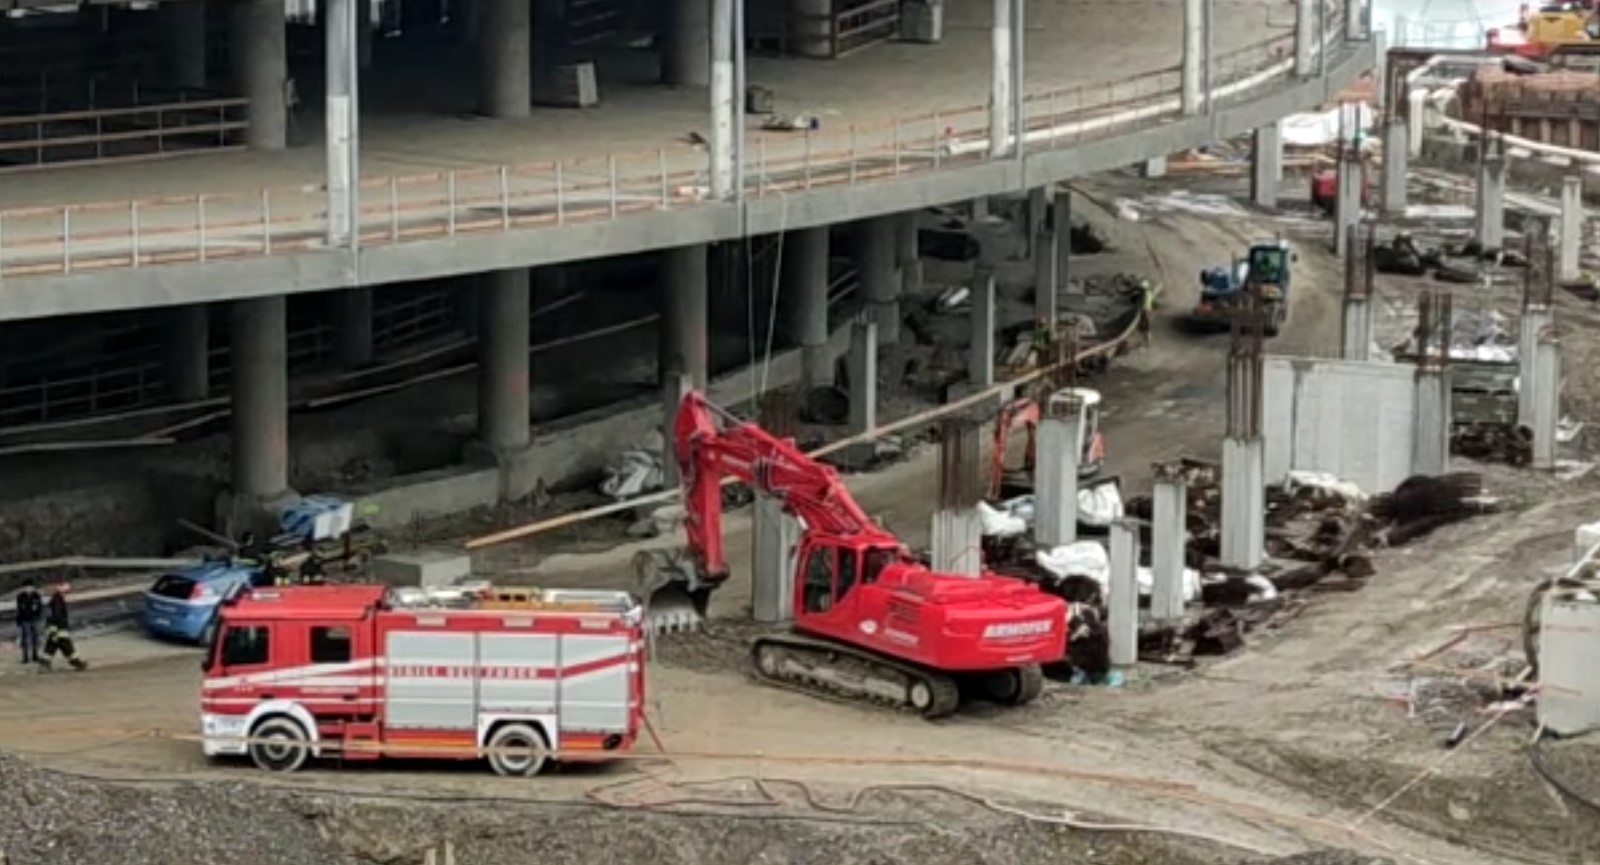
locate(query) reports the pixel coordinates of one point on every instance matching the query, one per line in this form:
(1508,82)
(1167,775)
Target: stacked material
(1494,91)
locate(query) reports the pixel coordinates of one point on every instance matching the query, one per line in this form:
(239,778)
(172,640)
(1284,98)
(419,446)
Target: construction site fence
(205,228)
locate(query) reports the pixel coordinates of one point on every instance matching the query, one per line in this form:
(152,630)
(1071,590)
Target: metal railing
(113,134)
(205,228)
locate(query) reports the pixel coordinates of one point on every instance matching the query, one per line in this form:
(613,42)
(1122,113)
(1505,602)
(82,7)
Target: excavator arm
(712,448)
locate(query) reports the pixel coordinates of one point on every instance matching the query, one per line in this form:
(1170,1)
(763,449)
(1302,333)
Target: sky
(1448,23)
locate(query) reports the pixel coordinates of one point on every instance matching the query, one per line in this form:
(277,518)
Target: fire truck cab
(362,672)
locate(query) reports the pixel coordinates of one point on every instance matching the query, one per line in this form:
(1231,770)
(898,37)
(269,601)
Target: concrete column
(1430,449)
(1546,387)
(1418,100)
(907,255)
(980,360)
(1244,503)
(1055,474)
(187,361)
(1355,21)
(1491,202)
(355,327)
(685,326)
(261,70)
(674,387)
(1000,79)
(1062,216)
(1047,258)
(1266,165)
(1169,541)
(1396,161)
(773,548)
(343,119)
(1155,166)
(503,401)
(875,256)
(1536,319)
(1356,339)
(1307,31)
(260,417)
(1567,262)
(1193,68)
(805,300)
(183,27)
(958,542)
(724,102)
(1347,202)
(686,54)
(505,58)
(863,376)
(1122,596)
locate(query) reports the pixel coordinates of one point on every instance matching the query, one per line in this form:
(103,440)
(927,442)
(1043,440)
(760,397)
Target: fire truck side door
(247,649)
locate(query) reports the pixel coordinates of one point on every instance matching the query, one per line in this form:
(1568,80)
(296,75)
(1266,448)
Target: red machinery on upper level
(871,622)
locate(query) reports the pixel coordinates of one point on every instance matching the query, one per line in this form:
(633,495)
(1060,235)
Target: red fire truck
(362,672)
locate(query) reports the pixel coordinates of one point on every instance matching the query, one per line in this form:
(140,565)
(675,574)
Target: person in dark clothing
(58,630)
(312,571)
(30,609)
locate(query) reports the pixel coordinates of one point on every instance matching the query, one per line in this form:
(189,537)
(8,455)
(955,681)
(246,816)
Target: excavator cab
(830,571)
(1024,412)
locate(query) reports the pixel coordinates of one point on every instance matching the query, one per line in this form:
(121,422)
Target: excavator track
(841,673)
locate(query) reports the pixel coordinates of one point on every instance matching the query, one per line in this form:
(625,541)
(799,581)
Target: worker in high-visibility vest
(58,631)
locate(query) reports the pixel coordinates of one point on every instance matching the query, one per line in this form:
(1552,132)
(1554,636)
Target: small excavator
(1565,28)
(1024,412)
(871,622)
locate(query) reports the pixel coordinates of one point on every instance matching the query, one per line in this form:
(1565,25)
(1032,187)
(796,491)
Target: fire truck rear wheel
(279,745)
(518,750)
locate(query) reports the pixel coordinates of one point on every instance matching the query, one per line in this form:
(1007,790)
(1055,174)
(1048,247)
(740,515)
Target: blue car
(183,605)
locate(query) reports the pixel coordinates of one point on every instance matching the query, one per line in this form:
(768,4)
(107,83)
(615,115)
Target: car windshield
(173,586)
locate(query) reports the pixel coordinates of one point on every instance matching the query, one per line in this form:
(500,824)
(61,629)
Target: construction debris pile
(1517,103)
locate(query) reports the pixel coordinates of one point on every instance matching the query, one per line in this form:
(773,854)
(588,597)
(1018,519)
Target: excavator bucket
(674,599)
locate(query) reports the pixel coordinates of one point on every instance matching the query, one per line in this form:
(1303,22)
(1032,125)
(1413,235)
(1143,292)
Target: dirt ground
(1324,732)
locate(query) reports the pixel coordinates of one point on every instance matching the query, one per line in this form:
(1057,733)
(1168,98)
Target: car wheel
(279,745)
(518,751)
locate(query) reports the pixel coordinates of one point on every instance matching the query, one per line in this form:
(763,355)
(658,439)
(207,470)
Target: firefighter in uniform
(58,631)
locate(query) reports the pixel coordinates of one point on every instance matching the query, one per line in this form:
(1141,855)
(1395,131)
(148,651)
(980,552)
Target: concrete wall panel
(1351,419)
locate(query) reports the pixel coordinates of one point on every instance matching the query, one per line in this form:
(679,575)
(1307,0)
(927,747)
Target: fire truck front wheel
(279,745)
(518,750)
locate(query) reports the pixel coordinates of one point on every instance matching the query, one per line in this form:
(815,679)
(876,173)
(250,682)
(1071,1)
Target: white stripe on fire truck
(290,673)
(324,675)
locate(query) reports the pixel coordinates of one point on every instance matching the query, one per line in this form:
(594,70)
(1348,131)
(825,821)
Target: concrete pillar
(863,376)
(674,387)
(980,359)
(958,542)
(260,417)
(685,326)
(805,300)
(686,54)
(1347,202)
(505,58)
(1169,541)
(725,103)
(1536,318)
(503,402)
(1355,22)
(187,361)
(1062,215)
(1546,387)
(1571,239)
(1357,335)
(1155,166)
(183,28)
(355,327)
(1047,259)
(1430,449)
(1396,162)
(1491,202)
(1266,165)
(1122,596)
(1001,78)
(1244,503)
(1307,33)
(1418,99)
(776,538)
(1193,65)
(907,255)
(343,120)
(1055,474)
(261,70)
(875,257)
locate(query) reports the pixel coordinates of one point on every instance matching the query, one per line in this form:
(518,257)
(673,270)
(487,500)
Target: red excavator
(870,621)
(1024,412)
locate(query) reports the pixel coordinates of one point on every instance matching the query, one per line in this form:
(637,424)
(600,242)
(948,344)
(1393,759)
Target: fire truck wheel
(518,750)
(279,745)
